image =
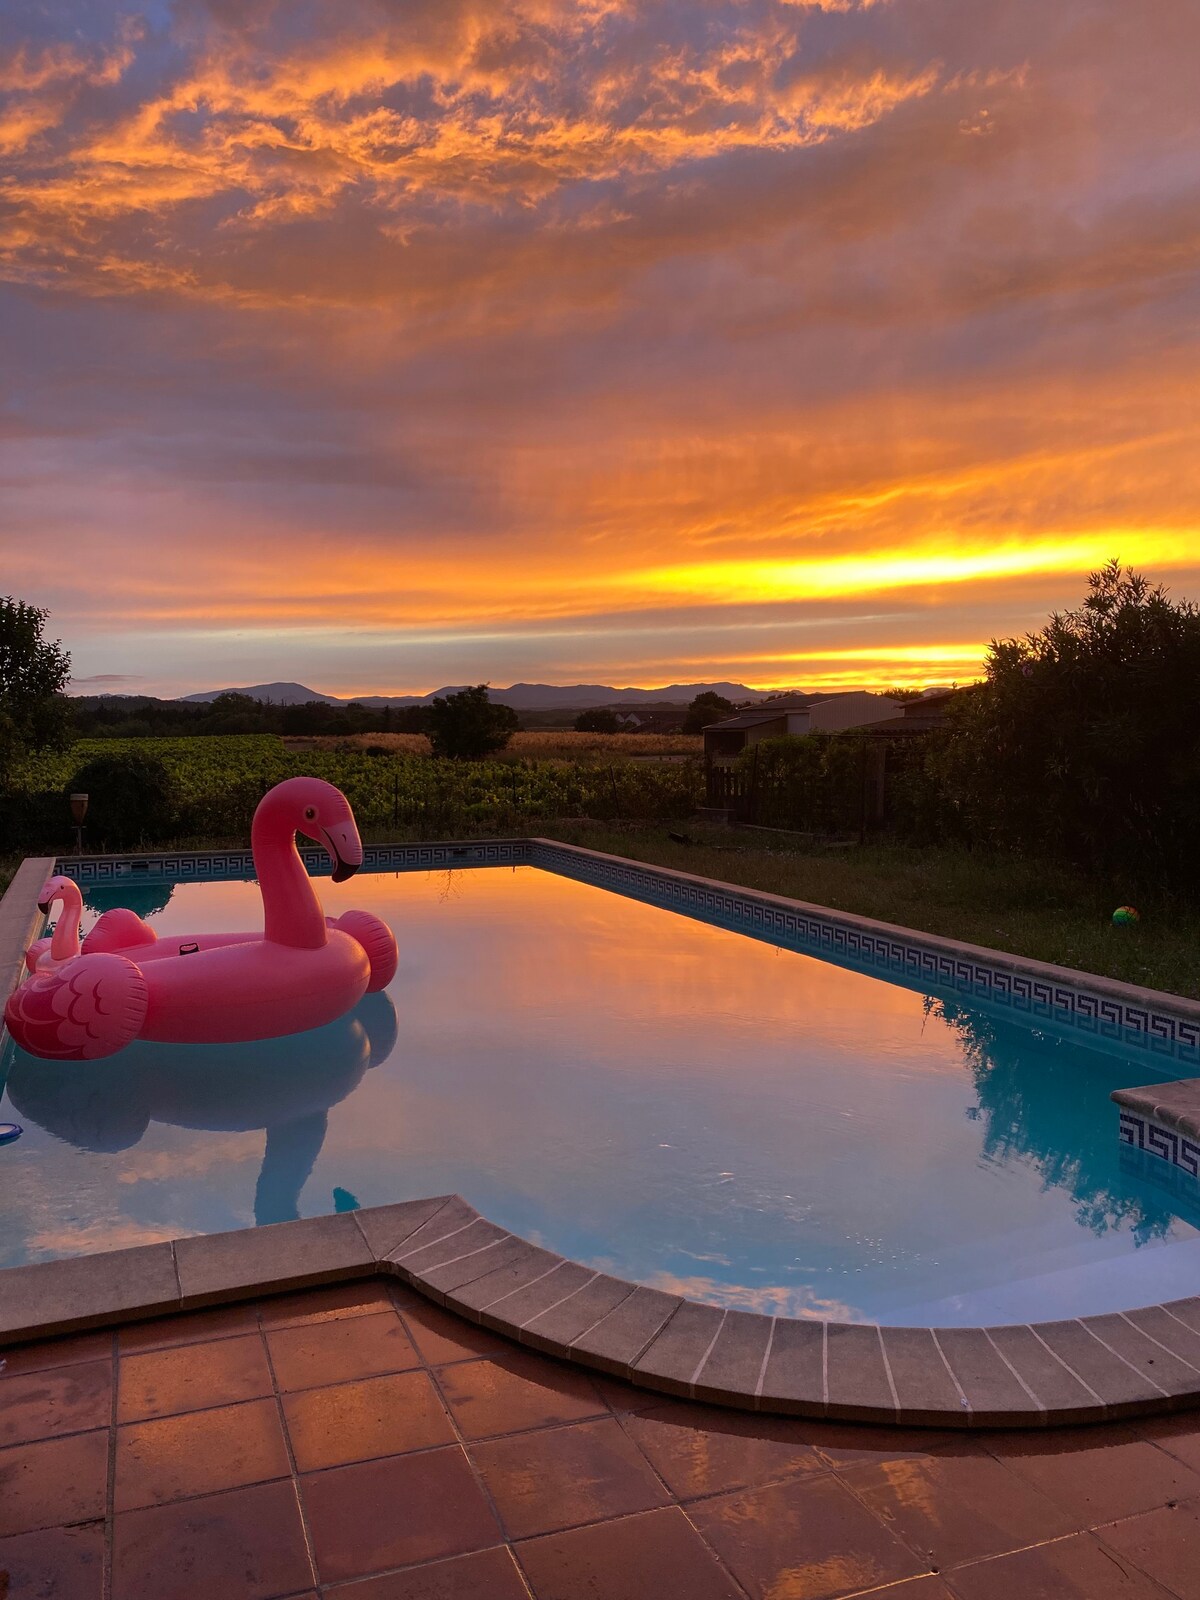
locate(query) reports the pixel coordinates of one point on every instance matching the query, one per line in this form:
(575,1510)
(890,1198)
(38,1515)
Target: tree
(1084,741)
(34,711)
(132,799)
(467,726)
(600,719)
(707,707)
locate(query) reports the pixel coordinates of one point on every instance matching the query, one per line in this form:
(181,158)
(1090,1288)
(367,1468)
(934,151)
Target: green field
(220,780)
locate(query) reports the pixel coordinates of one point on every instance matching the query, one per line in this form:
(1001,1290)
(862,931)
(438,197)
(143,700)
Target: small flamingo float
(301,971)
(63,945)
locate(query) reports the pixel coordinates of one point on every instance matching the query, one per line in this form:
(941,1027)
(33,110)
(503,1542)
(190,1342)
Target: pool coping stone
(1089,1369)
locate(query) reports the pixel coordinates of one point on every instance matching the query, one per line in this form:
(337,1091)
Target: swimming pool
(655,1095)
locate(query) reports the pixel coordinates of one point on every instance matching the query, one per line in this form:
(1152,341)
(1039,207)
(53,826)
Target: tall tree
(467,726)
(1084,741)
(708,706)
(34,711)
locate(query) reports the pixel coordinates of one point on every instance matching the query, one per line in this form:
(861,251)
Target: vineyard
(213,785)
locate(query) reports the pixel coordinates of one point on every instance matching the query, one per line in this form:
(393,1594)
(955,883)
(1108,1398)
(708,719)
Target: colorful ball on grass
(1124,915)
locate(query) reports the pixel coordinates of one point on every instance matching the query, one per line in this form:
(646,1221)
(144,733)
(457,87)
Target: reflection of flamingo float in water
(302,971)
(285,1086)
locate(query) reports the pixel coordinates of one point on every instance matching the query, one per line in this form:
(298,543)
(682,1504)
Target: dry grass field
(546,745)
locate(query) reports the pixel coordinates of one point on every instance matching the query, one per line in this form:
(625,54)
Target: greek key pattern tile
(911,962)
(1169,1145)
(187,866)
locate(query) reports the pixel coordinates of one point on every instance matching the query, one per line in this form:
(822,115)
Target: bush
(132,800)
(466,726)
(600,719)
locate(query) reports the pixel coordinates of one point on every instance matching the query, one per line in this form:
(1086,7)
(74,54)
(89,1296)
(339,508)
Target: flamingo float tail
(377,939)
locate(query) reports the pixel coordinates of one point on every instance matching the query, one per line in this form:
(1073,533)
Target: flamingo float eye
(310,813)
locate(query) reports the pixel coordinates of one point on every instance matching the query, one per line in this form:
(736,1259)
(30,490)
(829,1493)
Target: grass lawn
(1026,907)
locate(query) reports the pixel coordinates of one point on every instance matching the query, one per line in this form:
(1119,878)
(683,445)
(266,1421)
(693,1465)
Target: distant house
(725,741)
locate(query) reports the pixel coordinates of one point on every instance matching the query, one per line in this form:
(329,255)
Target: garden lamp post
(79,805)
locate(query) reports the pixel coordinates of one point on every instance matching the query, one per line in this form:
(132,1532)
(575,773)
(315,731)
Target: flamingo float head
(321,813)
(59,888)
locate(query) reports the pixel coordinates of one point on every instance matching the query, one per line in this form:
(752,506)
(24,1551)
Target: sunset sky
(390,343)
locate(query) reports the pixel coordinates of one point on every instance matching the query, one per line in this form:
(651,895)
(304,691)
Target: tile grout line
(1124,1316)
(570,1295)
(110,1491)
(887,1371)
(1036,1398)
(703,1359)
(306,1531)
(592,1326)
(762,1371)
(464,1446)
(1066,1366)
(520,1289)
(962,1394)
(429,1243)
(1164,1392)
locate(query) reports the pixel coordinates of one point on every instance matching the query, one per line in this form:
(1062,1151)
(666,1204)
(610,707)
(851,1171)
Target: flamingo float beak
(345,847)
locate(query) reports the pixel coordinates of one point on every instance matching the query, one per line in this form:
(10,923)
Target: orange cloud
(653,331)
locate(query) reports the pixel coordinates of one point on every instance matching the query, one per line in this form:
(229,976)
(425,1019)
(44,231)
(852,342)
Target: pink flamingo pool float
(301,971)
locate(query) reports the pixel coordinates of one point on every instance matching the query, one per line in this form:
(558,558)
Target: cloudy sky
(389,343)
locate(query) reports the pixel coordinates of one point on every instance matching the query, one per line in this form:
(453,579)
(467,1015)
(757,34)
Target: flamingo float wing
(89,1007)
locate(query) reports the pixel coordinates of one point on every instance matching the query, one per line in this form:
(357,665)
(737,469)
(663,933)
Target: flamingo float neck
(292,913)
(65,942)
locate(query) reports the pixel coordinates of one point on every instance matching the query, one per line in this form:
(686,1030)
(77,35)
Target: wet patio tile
(562,1477)
(810,1537)
(189,1328)
(199,1452)
(442,1337)
(1098,1479)
(1076,1568)
(1165,1544)
(53,1481)
(655,1553)
(396,1512)
(958,1507)
(516,1391)
(57,1564)
(698,1450)
(245,1542)
(487,1575)
(158,1383)
(383,1416)
(845,1443)
(65,1352)
(1178,1436)
(42,1405)
(359,1299)
(337,1350)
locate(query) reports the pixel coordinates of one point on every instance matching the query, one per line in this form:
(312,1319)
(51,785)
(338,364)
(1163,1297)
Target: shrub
(132,800)
(466,726)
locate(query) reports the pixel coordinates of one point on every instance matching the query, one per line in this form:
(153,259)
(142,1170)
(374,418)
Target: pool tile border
(1084,1370)
(1107,1012)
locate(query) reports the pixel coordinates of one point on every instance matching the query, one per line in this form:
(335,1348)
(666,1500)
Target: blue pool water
(661,1098)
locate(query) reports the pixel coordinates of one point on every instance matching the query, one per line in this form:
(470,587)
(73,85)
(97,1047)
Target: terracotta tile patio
(359,1443)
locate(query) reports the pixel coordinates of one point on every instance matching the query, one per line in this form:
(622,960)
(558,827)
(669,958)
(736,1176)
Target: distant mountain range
(520,696)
